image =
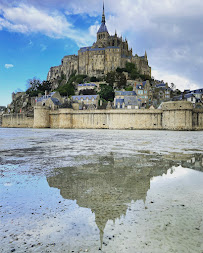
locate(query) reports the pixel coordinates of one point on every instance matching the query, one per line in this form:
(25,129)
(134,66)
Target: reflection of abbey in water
(108,186)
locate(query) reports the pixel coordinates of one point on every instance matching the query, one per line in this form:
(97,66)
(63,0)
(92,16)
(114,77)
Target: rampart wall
(174,116)
(106,119)
(17,120)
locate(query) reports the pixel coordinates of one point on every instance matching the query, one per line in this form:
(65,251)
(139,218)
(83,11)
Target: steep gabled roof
(102,28)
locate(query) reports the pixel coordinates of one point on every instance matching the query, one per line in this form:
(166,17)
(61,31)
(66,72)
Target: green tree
(106,92)
(67,89)
(129,88)
(121,80)
(129,67)
(120,70)
(134,74)
(35,86)
(111,78)
(94,79)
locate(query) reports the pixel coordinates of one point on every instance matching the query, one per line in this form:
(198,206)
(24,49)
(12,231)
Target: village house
(52,100)
(86,101)
(86,86)
(126,100)
(163,91)
(144,91)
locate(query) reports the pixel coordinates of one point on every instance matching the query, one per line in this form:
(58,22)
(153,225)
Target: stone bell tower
(103,33)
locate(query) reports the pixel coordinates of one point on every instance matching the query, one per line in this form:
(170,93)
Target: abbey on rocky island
(107,54)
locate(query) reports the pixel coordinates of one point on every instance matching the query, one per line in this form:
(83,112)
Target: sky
(35,35)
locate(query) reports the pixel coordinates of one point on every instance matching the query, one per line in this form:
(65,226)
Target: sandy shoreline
(100,201)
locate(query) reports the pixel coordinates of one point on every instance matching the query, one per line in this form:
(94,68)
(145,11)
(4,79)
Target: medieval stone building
(106,54)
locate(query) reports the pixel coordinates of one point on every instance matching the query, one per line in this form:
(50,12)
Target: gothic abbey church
(107,54)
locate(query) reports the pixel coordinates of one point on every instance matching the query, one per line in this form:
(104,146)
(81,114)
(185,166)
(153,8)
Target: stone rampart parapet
(173,116)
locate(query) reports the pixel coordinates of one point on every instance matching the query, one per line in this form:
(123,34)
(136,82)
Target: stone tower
(103,33)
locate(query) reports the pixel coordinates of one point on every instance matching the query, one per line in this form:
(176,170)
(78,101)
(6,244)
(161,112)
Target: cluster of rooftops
(122,97)
(189,94)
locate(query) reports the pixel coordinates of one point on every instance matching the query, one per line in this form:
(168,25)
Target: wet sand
(101,191)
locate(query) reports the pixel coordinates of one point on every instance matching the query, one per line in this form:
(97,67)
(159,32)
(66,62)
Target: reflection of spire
(101,237)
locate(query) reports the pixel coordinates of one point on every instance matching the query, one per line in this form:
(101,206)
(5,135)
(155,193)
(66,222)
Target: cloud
(43,47)
(181,82)
(30,44)
(170,30)
(93,29)
(8,66)
(28,19)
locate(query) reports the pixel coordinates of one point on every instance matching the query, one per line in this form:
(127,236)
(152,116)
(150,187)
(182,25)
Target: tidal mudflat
(101,191)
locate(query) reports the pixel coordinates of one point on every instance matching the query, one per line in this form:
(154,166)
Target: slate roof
(189,95)
(177,98)
(199,91)
(125,93)
(44,97)
(160,85)
(86,84)
(85,49)
(55,101)
(84,97)
(180,97)
(131,100)
(102,28)
(141,86)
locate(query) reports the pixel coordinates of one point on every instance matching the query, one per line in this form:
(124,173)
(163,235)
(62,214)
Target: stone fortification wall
(106,119)
(173,116)
(177,115)
(197,119)
(17,120)
(1,119)
(41,117)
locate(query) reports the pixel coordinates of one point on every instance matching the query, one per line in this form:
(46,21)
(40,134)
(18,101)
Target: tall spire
(103,16)
(145,54)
